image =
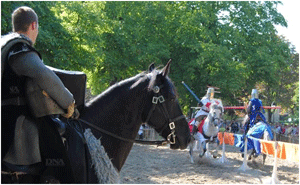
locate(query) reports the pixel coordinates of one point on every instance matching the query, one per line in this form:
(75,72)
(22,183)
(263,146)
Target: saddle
(200,127)
(69,167)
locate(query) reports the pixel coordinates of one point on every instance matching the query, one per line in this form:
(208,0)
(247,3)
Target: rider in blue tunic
(255,107)
(254,110)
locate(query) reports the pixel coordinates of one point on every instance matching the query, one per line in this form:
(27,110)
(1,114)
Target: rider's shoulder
(13,38)
(15,43)
(19,48)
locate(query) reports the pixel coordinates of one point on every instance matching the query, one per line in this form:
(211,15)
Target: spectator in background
(289,130)
(278,129)
(283,129)
(234,127)
(272,126)
(295,130)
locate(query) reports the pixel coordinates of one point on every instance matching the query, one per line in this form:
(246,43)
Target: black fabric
(53,152)
(12,85)
(77,147)
(9,115)
(20,179)
(76,166)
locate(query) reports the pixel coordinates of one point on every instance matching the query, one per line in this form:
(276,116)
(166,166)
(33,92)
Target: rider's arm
(30,65)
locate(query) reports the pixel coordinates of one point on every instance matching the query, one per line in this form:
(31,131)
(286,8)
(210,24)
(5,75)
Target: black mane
(127,83)
(132,83)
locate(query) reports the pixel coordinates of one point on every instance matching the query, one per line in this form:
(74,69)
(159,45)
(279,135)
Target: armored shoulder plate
(7,42)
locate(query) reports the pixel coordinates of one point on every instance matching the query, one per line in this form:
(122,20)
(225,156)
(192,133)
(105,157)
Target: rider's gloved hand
(76,114)
(70,110)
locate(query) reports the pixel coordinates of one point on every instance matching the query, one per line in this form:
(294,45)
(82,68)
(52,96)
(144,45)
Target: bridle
(157,98)
(215,118)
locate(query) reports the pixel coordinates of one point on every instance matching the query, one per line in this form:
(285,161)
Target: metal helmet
(254,94)
(210,93)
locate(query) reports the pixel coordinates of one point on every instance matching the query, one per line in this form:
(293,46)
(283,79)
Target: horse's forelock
(153,75)
(153,78)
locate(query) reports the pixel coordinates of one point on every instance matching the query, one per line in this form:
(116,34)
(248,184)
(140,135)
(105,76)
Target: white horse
(209,134)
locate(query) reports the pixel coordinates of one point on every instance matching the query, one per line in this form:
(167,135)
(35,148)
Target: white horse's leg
(215,153)
(208,153)
(267,137)
(191,147)
(201,146)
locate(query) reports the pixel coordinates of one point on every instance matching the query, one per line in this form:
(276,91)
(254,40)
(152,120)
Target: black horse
(147,97)
(99,142)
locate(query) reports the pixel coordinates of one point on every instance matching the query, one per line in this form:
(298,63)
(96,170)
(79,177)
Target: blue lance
(187,87)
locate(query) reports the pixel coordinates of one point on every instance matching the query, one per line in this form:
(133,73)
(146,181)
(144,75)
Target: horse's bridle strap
(158,143)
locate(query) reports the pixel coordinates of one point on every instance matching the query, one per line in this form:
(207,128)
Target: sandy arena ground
(161,165)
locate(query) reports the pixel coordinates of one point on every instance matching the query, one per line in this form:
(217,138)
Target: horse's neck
(121,114)
(208,128)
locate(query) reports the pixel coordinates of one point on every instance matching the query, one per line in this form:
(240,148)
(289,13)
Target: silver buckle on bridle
(155,99)
(171,137)
(172,134)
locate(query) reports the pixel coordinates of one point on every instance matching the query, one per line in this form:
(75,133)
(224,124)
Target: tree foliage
(230,45)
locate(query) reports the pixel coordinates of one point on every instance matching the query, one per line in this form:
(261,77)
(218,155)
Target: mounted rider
(200,116)
(205,103)
(254,110)
(29,141)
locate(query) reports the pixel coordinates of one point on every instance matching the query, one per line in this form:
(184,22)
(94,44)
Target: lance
(187,87)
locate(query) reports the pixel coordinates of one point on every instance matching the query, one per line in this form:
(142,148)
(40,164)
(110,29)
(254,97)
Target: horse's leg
(202,149)
(215,154)
(266,136)
(264,158)
(251,154)
(191,147)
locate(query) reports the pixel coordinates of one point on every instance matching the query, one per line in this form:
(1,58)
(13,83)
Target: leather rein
(155,100)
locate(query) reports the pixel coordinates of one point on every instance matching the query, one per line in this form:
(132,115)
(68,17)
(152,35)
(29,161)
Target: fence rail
(286,138)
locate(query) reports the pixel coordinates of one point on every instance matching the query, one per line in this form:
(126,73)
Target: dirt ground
(161,165)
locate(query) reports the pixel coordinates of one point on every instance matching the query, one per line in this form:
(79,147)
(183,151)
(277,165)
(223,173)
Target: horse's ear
(151,67)
(166,69)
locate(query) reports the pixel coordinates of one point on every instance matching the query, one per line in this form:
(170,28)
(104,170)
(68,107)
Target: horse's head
(165,115)
(216,114)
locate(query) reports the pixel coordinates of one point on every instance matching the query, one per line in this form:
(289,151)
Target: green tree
(230,45)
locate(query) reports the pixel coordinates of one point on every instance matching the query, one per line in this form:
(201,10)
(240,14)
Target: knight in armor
(205,103)
(204,110)
(24,137)
(254,110)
